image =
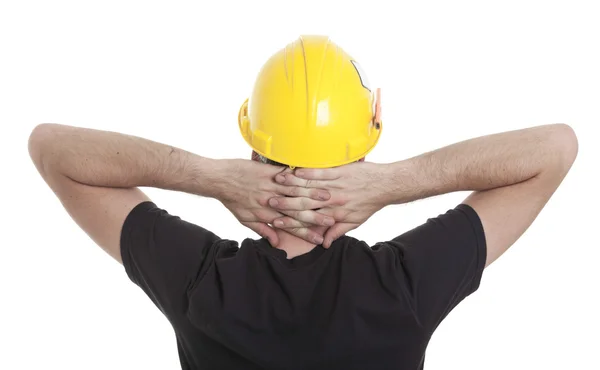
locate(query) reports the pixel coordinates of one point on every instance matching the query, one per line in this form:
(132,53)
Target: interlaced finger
(291,180)
(318,173)
(296,204)
(286,222)
(258,215)
(298,191)
(307,234)
(304,218)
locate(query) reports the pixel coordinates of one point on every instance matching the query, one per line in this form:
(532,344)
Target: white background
(177,72)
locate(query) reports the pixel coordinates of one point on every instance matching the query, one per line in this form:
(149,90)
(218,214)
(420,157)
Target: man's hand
(357,191)
(246,189)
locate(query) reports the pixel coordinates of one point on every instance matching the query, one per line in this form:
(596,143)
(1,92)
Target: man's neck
(295,246)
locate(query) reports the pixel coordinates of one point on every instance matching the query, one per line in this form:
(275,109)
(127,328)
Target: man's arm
(95,175)
(513,174)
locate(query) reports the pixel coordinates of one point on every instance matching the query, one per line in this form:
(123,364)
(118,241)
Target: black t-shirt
(347,307)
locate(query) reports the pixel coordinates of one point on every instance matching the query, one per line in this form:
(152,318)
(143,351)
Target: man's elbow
(39,139)
(569,144)
(565,147)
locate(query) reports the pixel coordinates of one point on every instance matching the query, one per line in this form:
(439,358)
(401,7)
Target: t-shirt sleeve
(163,254)
(442,261)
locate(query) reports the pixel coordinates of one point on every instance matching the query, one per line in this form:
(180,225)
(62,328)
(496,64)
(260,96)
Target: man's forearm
(482,163)
(109,159)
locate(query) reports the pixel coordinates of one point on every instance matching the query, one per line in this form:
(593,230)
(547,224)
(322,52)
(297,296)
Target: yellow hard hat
(311,106)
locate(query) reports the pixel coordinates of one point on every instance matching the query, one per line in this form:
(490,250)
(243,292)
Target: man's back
(350,306)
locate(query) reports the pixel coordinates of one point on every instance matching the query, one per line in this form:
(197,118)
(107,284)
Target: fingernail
(280,178)
(318,239)
(279,223)
(273,202)
(299,173)
(328,221)
(323,195)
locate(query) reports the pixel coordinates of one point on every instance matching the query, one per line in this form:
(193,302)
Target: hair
(265,160)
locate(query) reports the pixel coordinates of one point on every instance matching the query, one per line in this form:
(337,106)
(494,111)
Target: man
(305,296)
